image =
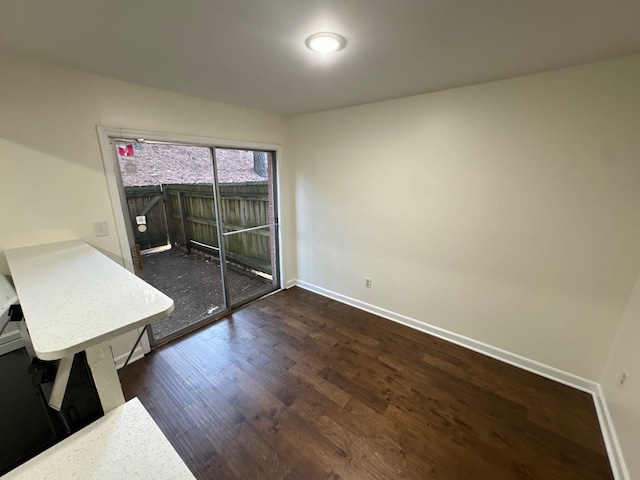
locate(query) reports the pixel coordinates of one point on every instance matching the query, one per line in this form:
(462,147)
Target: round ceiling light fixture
(326,42)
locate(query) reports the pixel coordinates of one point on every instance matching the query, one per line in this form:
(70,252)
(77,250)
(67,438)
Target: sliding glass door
(203,227)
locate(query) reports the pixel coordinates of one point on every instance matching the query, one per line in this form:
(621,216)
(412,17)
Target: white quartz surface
(7,297)
(73,297)
(124,444)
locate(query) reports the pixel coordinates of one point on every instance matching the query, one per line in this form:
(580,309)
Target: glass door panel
(248,222)
(170,198)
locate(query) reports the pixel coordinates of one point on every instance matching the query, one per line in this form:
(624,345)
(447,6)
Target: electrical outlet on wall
(367,282)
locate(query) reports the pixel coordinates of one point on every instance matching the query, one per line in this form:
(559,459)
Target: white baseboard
(475,345)
(618,464)
(606,425)
(290,283)
(137,355)
(10,341)
(10,336)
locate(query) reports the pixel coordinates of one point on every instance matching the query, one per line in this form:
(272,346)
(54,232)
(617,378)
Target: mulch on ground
(194,282)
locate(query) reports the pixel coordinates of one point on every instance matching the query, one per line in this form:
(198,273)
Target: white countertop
(73,297)
(7,297)
(124,444)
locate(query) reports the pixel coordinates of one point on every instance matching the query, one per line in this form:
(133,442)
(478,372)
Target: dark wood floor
(297,386)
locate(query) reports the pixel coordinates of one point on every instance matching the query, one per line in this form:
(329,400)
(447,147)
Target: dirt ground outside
(194,282)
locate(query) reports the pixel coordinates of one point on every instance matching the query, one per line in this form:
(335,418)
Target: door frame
(107,137)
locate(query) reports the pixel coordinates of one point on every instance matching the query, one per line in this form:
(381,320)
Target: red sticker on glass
(126,151)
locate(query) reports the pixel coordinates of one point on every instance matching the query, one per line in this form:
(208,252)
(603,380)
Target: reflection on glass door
(249,227)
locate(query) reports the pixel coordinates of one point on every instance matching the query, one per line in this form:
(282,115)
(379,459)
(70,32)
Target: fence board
(187,215)
(139,202)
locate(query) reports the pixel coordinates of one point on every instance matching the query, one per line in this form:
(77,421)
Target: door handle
(137,256)
(235,232)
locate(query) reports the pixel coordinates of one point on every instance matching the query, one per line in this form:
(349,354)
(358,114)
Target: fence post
(168,214)
(184,221)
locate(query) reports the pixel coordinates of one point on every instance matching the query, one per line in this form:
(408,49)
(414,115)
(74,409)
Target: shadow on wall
(26,239)
(54,114)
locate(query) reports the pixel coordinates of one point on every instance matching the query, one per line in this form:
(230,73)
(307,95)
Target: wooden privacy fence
(148,201)
(185,215)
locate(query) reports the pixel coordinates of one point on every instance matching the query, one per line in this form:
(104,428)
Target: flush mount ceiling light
(326,42)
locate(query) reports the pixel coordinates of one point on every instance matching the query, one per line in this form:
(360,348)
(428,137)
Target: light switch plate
(101,229)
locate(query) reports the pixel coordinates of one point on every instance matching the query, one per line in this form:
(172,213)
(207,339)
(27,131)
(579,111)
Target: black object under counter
(27,424)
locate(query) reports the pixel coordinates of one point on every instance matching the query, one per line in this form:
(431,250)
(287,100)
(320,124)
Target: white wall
(51,173)
(505,212)
(623,400)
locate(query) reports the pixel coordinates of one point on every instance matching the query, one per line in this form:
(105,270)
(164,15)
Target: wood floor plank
(210,463)
(298,386)
(321,386)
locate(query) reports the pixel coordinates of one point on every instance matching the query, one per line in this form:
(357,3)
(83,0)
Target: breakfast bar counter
(74,298)
(124,444)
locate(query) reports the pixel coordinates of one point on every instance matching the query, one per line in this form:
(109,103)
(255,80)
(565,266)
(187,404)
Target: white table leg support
(60,382)
(105,376)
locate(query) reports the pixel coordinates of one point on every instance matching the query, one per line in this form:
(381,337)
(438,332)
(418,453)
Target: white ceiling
(252,52)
